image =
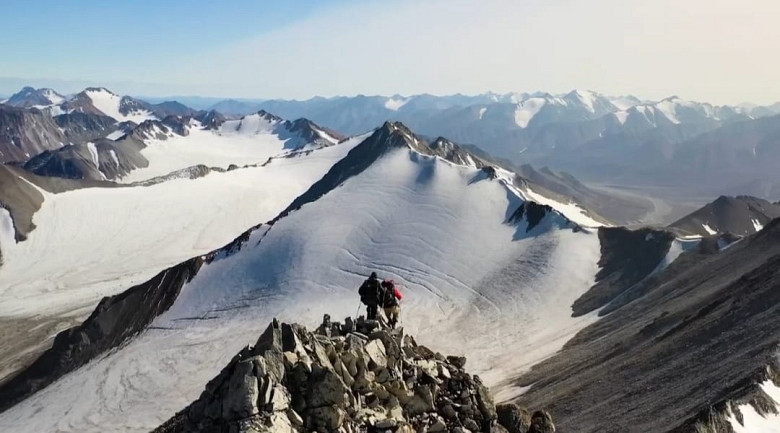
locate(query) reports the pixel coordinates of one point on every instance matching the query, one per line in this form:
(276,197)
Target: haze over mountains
(143,245)
(702,149)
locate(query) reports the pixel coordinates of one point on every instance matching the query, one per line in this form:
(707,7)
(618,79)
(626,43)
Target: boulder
(326,388)
(241,398)
(327,418)
(457,361)
(513,418)
(541,422)
(270,339)
(375,350)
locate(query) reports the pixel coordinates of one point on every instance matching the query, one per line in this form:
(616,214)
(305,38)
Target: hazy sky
(710,50)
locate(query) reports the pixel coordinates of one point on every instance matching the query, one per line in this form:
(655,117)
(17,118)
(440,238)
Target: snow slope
(108,103)
(95,242)
(527,109)
(473,284)
(248,141)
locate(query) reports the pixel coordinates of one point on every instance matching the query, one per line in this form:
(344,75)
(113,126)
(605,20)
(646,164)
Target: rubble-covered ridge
(356,376)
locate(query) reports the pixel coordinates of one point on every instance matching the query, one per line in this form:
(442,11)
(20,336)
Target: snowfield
(94,242)
(243,142)
(473,284)
(108,103)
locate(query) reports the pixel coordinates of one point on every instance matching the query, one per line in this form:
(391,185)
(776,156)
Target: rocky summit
(355,376)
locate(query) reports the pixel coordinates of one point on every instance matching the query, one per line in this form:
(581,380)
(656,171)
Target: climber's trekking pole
(358,310)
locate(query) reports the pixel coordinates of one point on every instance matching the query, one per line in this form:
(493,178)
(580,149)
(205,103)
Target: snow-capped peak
(585,97)
(394,103)
(39,98)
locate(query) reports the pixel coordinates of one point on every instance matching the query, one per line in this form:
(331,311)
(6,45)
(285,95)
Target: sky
(719,51)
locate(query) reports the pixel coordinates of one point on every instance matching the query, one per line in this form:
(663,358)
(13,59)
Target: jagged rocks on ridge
(346,377)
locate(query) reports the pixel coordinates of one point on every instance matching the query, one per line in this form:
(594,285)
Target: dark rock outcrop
(627,257)
(115,319)
(79,127)
(533,213)
(350,377)
(211,119)
(99,160)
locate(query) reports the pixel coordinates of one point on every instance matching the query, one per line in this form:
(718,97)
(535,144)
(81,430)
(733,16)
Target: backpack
(370,291)
(388,295)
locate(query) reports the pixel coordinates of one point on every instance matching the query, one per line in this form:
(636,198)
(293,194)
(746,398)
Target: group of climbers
(374,293)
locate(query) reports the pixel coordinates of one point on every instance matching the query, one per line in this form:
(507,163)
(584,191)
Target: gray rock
(270,339)
(280,399)
(386,424)
(241,399)
(471,425)
(326,388)
(541,422)
(457,361)
(422,401)
(376,354)
(438,425)
(327,418)
(514,418)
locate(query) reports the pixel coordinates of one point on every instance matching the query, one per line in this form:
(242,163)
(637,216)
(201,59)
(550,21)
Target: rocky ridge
(354,376)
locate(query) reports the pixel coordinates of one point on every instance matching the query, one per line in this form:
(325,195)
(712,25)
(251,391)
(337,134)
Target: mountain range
(142,256)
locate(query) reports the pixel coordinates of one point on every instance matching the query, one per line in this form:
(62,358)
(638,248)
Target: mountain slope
(470,253)
(698,344)
(741,215)
(26,133)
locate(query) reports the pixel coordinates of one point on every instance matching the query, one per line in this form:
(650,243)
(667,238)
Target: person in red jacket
(390,297)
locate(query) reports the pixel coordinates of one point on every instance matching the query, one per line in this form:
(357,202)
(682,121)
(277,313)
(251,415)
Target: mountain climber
(390,297)
(370,294)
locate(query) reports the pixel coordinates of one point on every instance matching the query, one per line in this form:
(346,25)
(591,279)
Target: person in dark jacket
(370,294)
(390,297)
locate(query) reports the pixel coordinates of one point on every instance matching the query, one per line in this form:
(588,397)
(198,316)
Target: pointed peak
(269,116)
(99,89)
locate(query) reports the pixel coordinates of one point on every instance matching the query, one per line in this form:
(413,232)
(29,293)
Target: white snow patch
(93,153)
(709,229)
(251,124)
(587,98)
(527,109)
(116,135)
(108,103)
(113,157)
(753,422)
(669,109)
(757,225)
(53,97)
(621,116)
(482,112)
(7,232)
(571,211)
(394,104)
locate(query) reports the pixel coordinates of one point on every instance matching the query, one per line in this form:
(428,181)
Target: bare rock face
(351,377)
